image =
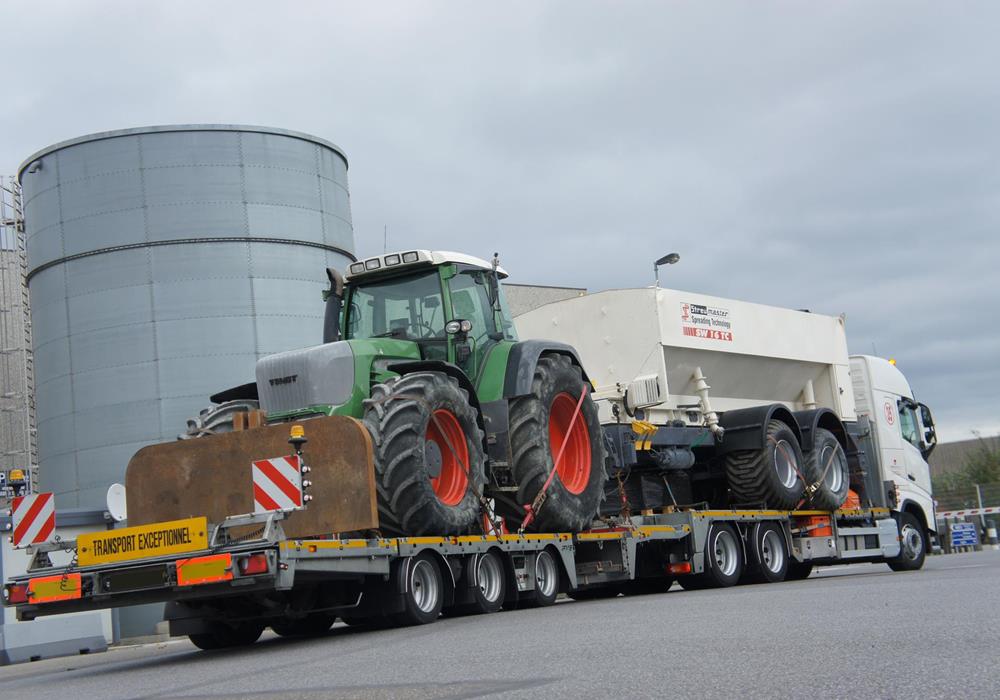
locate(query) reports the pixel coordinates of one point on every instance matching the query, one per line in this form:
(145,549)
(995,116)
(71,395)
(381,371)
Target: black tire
(647,586)
(546,582)
(798,570)
(423,590)
(577,489)
(595,593)
(771,474)
(310,626)
(223,636)
(767,554)
(421,486)
(489,586)
(723,556)
(912,542)
(835,479)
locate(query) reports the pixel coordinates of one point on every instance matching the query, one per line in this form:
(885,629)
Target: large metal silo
(162,263)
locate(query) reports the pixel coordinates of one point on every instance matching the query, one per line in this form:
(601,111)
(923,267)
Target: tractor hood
(296,379)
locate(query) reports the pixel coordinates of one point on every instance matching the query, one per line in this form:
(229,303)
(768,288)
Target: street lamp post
(668,259)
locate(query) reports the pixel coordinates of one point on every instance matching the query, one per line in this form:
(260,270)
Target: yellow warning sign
(143,541)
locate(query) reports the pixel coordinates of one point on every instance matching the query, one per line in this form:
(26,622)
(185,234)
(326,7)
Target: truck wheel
(770,474)
(767,554)
(309,626)
(546,581)
(490,586)
(912,543)
(539,425)
(827,464)
(723,556)
(420,462)
(423,596)
(798,570)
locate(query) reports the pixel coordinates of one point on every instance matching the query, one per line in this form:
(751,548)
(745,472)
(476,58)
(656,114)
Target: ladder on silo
(18,360)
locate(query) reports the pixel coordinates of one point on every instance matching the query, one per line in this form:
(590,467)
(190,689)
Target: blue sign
(964,535)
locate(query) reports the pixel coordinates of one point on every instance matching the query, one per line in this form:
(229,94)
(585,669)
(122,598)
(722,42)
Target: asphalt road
(858,631)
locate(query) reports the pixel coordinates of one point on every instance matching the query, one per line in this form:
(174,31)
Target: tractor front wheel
(429,460)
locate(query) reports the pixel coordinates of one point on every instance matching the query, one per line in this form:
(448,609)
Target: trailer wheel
(310,626)
(767,554)
(723,556)
(912,543)
(539,428)
(798,570)
(223,636)
(827,465)
(425,435)
(771,474)
(546,580)
(490,585)
(423,594)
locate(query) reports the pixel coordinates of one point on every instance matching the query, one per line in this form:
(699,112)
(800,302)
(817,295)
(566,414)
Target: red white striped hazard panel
(34,519)
(277,484)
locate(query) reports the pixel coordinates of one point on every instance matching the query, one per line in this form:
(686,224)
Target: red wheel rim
(452,482)
(574,469)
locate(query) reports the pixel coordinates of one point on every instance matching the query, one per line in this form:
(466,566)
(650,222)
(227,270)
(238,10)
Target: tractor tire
(913,545)
(429,459)
(311,626)
(770,475)
(539,425)
(827,464)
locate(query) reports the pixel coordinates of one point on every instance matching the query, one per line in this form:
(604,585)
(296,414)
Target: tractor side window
(469,301)
(908,424)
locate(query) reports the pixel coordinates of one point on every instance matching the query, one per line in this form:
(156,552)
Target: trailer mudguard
(746,428)
(523,359)
(809,421)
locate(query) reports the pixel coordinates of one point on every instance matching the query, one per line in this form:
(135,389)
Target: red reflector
(683,567)
(16,593)
(254,564)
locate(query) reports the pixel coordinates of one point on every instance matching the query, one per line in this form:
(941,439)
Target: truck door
(914,444)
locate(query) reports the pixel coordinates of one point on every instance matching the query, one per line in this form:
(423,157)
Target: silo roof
(166,128)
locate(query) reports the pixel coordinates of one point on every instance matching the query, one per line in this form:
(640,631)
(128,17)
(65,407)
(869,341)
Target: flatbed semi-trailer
(299,586)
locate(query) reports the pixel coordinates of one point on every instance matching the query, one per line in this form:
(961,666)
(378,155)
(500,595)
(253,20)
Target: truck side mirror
(334,297)
(930,433)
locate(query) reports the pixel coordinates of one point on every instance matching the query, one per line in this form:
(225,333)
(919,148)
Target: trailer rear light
(15,593)
(683,567)
(253,564)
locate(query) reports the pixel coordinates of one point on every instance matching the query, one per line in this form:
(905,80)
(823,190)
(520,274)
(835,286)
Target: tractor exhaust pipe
(334,297)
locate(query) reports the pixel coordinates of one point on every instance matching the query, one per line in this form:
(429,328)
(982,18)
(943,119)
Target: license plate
(135,579)
(143,541)
(198,570)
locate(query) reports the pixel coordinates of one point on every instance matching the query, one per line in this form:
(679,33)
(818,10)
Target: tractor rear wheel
(541,425)
(429,461)
(772,474)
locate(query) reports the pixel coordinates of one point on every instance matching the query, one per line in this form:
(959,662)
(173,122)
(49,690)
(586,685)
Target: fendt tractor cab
(420,345)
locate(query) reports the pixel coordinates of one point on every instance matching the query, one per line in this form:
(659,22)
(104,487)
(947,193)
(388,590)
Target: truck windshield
(401,307)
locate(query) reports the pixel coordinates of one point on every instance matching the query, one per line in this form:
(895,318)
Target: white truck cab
(903,432)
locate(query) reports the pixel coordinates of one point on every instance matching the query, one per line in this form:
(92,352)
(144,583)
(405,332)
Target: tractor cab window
(472,299)
(908,424)
(405,308)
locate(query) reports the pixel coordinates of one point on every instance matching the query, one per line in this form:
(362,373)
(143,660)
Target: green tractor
(467,422)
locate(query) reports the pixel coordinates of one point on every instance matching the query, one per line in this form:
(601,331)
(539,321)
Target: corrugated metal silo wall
(152,287)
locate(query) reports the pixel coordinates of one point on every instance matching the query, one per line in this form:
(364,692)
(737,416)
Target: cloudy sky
(841,157)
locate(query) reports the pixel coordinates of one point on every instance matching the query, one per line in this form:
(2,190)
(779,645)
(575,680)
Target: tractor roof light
(392,259)
(373,264)
(410,257)
(357,268)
